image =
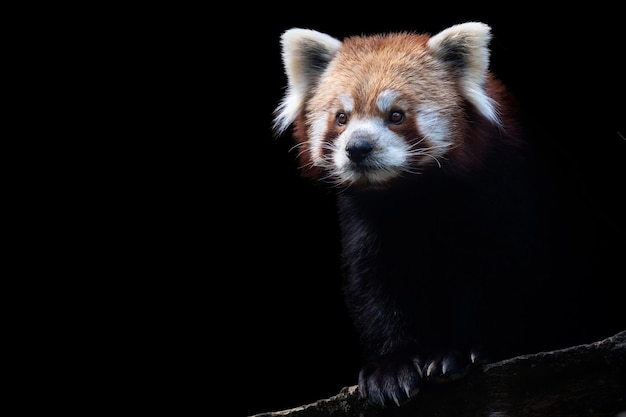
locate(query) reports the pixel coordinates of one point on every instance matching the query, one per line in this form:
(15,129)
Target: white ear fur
(465,47)
(305,54)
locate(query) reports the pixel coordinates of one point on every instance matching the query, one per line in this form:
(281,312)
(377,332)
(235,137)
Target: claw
(395,399)
(417,365)
(430,370)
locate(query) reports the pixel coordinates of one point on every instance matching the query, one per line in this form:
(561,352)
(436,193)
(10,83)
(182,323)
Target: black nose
(358,149)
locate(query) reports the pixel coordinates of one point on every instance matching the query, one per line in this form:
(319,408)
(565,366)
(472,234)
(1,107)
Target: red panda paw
(448,366)
(390,381)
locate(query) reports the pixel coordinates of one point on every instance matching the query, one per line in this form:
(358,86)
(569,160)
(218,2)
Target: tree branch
(587,380)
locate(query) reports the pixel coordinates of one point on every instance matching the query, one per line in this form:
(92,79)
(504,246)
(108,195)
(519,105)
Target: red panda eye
(341,119)
(396,117)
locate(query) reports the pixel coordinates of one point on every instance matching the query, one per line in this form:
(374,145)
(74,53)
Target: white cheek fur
(435,129)
(316,137)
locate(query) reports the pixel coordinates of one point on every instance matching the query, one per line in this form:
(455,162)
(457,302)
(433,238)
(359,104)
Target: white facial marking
(347,103)
(316,136)
(386,100)
(434,127)
(320,124)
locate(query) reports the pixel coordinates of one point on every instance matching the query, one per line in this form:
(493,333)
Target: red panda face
(382,113)
(371,109)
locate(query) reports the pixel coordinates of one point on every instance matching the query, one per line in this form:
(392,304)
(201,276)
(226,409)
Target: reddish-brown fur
(368,65)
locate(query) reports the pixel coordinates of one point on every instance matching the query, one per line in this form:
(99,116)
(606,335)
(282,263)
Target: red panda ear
(464,48)
(306,54)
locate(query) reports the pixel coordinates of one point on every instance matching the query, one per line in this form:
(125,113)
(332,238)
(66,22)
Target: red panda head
(370,109)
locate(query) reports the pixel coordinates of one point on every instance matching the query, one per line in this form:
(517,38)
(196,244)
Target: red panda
(442,253)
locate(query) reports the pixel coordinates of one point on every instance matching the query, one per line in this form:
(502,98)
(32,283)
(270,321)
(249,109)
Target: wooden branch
(587,380)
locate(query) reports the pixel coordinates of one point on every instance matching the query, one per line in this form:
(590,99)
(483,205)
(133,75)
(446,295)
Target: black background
(241,309)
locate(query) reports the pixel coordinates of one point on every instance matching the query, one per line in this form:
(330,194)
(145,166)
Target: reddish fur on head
(410,102)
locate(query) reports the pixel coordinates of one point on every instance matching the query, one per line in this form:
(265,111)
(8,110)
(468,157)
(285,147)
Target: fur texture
(445,260)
